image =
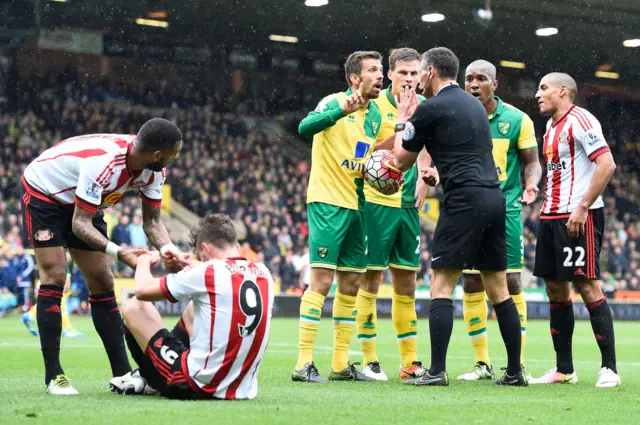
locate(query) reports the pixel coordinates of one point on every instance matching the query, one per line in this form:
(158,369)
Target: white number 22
(569,252)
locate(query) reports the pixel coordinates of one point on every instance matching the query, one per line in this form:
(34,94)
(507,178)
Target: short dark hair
(403,54)
(215,229)
(353,65)
(443,60)
(158,133)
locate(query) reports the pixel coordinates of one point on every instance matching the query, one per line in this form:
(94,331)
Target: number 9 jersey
(233,301)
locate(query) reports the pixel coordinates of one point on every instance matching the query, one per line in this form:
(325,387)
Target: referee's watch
(399,127)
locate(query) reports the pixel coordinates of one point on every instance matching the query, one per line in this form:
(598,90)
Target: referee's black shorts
(471,230)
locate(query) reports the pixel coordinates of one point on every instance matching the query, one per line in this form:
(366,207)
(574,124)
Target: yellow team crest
(504,127)
(374,127)
(322,252)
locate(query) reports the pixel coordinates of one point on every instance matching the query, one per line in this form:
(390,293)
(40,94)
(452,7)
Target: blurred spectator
(136,232)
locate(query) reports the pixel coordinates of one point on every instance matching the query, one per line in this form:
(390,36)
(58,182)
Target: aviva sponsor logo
(353,165)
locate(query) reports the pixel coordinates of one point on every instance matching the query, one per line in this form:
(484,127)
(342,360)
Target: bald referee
(470,233)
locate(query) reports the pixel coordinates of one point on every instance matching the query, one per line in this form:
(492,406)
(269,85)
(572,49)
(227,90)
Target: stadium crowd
(247,174)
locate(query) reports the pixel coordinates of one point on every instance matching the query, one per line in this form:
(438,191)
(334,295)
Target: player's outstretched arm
(174,259)
(82,227)
(532,174)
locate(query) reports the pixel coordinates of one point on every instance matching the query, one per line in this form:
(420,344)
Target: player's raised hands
(407,103)
(576,222)
(353,102)
(430,176)
(529,195)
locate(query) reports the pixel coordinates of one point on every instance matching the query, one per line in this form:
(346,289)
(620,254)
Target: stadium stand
(244,172)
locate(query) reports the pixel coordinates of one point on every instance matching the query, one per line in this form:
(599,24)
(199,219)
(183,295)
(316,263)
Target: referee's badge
(409,131)
(504,127)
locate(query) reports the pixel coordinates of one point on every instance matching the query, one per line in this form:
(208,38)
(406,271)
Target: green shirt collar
(390,97)
(499,109)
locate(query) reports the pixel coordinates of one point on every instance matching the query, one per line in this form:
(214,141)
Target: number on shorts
(569,252)
(418,247)
(168,354)
(251,306)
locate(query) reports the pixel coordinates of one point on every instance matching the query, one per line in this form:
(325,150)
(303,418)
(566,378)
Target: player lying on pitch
(216,348)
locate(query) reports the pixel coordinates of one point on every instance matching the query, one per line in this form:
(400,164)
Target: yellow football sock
(344,312)
(405,320)
(475,312)
(521,305)
(310,312)
(66,320)
(367,324)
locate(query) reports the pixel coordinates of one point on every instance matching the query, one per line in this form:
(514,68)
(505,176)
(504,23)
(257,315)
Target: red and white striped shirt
(232,300)
(570,148)
(91,171)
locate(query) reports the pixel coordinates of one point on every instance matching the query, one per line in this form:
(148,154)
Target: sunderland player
(64,192)
(513,141)
(345,127)
(579,166)
(393,237)
(216,349)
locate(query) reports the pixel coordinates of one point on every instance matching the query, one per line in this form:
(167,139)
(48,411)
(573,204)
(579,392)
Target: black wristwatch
(399,127)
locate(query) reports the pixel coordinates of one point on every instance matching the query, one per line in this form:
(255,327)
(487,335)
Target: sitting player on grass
(216,349)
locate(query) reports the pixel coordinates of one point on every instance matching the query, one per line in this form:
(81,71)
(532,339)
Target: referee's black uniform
(454,128)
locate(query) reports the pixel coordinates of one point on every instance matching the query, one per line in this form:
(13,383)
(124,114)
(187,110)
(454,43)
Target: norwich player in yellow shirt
(514,141)
(344,128)
(393,237)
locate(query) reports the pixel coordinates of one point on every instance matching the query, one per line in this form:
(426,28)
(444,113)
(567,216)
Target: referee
(470,233)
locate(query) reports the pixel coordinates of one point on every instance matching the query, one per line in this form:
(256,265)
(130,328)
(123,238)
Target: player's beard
(155,166)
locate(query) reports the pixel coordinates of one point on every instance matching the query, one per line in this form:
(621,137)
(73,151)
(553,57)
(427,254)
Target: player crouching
(216,349)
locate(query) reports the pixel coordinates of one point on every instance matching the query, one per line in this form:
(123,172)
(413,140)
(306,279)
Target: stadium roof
(590,32)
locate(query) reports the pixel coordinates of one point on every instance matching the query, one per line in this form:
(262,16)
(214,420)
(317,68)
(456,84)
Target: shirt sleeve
(152,193)
(527,138)
(93,178)
(416,129)
(326,114)
(185,284)
(588,133)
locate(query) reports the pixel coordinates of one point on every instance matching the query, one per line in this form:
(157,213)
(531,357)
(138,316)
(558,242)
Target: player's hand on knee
(430,176)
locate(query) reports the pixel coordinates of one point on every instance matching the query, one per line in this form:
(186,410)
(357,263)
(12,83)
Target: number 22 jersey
(233,301)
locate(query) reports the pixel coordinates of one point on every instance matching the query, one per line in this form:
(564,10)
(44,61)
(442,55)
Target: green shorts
(393,237)
(515,244)
(337,238)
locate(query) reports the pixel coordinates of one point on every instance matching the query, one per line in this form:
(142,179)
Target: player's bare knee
(371,281)
(514,284)
(404,282)
(349,282)
(472,283)
(589,290)
(558,291)
(321,280)
(130,309)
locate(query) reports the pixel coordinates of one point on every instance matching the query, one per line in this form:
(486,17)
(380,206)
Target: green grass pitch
(280,401)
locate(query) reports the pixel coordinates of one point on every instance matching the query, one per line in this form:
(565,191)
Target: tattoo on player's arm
(82,227)
(153,227)
(532,167)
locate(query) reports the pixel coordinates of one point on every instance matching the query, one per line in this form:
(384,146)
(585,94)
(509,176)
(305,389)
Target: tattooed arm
(153,227)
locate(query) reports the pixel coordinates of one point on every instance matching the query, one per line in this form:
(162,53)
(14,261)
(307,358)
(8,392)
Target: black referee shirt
(454,127)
